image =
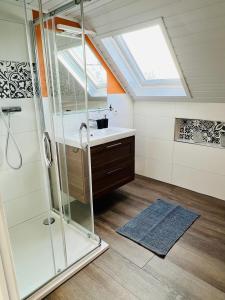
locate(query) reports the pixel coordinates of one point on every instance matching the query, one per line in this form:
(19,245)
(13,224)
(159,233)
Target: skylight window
(153,58)
(145,60)
(95,70)
(72,59)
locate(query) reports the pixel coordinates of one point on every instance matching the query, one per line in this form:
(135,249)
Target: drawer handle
(114,145)
(114,171)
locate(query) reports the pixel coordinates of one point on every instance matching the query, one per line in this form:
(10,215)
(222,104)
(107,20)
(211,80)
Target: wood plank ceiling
(196,29)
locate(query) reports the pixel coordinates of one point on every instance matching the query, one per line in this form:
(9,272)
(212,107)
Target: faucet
(83,125)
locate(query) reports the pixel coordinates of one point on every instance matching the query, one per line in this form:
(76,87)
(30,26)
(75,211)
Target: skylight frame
(76,68)
(127,59)
(89,73)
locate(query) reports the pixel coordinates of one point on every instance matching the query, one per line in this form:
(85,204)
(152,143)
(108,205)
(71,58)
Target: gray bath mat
(159,226)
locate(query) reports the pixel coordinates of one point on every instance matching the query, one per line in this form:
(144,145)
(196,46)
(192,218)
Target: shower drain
(48,221)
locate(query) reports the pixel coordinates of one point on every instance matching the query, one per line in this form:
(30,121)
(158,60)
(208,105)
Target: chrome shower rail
(60,9)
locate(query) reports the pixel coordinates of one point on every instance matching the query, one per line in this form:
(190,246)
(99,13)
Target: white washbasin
(106,132)
(98,136)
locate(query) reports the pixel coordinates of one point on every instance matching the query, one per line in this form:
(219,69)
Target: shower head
(11,109)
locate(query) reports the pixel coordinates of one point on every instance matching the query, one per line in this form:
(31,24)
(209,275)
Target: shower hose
(9,135)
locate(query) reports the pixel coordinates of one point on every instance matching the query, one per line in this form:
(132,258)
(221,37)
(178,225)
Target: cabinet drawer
(111,152)
(112,177)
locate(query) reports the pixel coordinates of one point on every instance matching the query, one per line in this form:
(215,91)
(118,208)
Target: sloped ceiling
(196,29)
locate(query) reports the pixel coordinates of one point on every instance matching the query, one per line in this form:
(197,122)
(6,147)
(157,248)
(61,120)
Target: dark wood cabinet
(112,165)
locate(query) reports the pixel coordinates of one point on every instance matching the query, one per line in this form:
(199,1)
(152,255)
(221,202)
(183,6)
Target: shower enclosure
(48,231)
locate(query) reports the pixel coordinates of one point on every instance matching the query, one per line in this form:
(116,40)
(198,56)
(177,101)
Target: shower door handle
(47,150)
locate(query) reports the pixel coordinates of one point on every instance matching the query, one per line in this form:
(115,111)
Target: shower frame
(8,281)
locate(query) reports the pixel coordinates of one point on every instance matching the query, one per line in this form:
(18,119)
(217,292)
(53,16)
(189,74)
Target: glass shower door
(74,112)
(66,113)
(24,186)
(50,227)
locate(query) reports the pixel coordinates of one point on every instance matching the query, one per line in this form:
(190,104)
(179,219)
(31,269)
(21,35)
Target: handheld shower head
(8,111)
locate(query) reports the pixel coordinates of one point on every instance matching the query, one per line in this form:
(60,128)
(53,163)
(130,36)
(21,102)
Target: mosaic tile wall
(15,80)
(200,131)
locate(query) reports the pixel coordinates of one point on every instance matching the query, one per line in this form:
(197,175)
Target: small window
(72,59)
(145,59)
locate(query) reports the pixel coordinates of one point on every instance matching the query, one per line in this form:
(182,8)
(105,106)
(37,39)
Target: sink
(98,136)
(106,132)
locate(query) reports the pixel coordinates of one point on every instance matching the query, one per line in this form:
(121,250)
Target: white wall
(22,191)
(122,114)
(195,167)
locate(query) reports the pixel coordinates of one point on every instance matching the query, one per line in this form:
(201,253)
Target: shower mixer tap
(11,109)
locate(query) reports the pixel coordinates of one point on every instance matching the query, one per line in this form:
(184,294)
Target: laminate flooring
(193,269)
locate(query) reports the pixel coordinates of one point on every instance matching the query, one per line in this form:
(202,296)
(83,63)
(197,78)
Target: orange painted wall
(113,87)
(39,45)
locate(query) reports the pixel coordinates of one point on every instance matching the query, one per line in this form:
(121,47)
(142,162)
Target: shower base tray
(36,272)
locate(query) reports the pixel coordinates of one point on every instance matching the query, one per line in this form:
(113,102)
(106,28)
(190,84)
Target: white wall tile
(117,119)
(120,102)
(147,108)
(203,158)
(23,121)
(141,145)
(158,169)
(27,207)
(140,165)
(15,46)
(160,149)
(14,184)
(28,145)
(200,181)
(141,125)
(205,111)
(160,127)
(159,157)
(155,127)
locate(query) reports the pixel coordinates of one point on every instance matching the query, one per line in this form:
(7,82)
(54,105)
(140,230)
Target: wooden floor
(193,269)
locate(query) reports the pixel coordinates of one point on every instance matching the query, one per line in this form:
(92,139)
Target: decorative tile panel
(200,131)
(4,82)
(15,80)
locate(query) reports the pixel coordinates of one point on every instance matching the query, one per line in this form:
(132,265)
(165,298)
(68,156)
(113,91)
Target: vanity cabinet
(112,166)
(77,172)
